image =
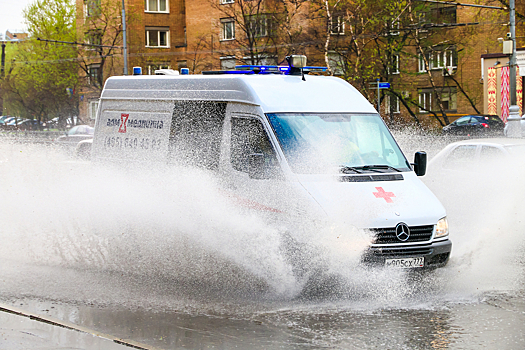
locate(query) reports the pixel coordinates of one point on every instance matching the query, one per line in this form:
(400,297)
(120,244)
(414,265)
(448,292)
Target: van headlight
(442,228)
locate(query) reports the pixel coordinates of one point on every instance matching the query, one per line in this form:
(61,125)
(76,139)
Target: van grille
(371,178)
(387,252)
(388,235)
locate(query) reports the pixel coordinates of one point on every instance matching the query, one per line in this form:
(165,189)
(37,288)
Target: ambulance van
(300,149)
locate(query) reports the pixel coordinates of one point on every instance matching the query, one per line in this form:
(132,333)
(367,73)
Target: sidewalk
(20,330)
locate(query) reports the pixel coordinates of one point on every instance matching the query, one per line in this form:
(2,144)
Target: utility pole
(514,119)
(124,38)
(2,73)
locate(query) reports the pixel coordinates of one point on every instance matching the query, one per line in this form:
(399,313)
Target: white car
(76,134)
(475,155)
(83,149)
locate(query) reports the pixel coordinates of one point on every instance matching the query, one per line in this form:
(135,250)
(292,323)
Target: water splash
(176,225)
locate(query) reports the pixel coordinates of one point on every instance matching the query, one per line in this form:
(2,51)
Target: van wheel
(298,255)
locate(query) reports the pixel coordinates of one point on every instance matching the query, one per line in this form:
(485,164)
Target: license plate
(405,263)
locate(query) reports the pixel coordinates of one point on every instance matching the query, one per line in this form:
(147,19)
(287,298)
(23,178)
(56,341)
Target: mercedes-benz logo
(402,232)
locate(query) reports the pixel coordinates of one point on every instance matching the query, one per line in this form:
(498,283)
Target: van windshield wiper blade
(377,167)
(349,170)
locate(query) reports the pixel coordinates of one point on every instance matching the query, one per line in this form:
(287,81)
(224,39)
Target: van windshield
(315,143)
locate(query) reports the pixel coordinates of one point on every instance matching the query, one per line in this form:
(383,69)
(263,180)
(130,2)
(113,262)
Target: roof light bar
(296,65)
(297,61)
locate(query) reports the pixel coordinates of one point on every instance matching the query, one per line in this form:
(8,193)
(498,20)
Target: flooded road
(98,250)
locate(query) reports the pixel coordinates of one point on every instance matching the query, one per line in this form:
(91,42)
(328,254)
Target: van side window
(196,133)
(248,137)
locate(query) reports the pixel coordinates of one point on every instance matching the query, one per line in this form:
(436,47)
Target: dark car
(470,125)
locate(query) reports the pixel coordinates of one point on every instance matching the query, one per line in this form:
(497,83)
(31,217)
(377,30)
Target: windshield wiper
(349,170)
(377,167)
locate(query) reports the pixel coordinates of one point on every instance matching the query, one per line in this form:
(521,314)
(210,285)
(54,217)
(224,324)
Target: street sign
(384,85)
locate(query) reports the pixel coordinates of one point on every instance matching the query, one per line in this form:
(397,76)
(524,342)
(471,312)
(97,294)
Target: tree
(41,78)
(262,31)
(101,32)
(403,43)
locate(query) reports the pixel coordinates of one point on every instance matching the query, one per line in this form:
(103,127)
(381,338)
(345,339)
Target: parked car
(6,121)
(28,124)
(14,123)
(478,180)
(83,149)
(76,134)
(3,118)
(477,155)
(471,125)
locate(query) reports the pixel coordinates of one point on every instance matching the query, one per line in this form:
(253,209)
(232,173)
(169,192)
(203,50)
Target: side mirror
(420,163)
(256,166)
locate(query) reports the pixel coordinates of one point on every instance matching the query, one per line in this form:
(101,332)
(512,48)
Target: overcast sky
(11,15)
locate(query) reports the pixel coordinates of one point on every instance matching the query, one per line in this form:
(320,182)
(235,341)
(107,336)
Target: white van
(277,139)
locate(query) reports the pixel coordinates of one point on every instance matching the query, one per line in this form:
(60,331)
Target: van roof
(274,93)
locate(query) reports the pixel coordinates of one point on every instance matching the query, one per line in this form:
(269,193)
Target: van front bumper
(436,254)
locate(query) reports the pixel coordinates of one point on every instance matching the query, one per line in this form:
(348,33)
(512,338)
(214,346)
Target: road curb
(67,325)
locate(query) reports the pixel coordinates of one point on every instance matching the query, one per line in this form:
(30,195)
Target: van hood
(375,204)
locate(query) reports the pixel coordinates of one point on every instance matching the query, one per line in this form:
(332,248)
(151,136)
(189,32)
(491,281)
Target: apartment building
(434,70)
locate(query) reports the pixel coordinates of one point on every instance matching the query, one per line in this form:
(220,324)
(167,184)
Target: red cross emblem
(123,121)
(382,194)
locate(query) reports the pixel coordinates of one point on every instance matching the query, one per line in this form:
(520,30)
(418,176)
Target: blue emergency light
(296,66)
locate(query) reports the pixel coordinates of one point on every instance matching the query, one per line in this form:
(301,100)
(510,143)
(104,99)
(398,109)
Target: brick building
(441,74)
(15,35)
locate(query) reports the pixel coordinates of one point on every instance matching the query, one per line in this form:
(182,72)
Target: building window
(94,74)
(444,14)
(428,99)
(94,37)
(425,101)
(260,59)
(337,25)
(155,66)
(228,63)
(93,107)
(438,14)
(227,29)
(257,26)
(448,97)
(91,8)
(392,104)
(157,37)
(438,58)
(156,6)
(421,63)
(394,64)
(394,27)
(337,63)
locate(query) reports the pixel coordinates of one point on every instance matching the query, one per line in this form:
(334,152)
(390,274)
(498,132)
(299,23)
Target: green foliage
(40,73)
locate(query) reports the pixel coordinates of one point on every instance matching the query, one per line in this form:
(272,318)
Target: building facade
(430,55)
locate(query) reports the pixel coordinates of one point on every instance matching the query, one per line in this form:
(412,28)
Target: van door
(255,178)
